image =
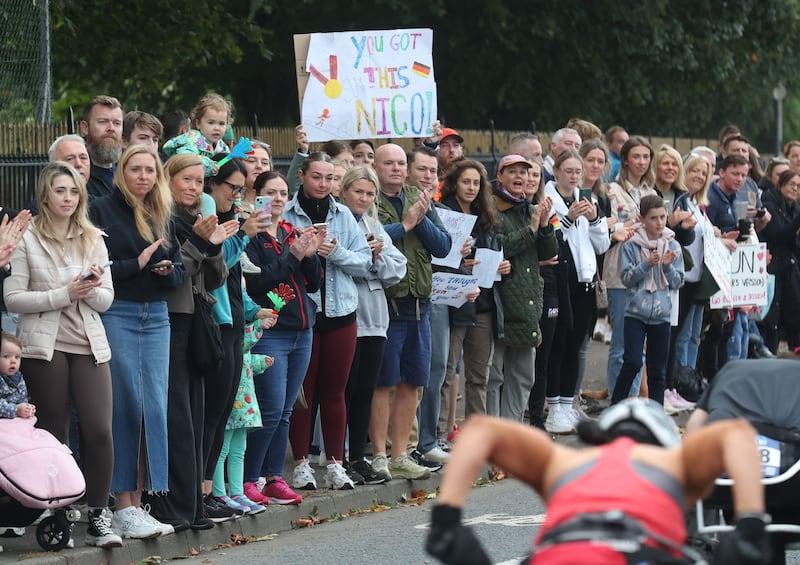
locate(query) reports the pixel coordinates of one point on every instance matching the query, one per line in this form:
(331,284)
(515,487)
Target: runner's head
(640,419)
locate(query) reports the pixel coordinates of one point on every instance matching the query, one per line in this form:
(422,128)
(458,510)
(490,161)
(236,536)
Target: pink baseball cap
(512,159)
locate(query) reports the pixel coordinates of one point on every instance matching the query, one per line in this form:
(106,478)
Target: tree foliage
(681,67)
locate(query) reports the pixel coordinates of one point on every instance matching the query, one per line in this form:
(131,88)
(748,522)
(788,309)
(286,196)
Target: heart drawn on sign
(760,255)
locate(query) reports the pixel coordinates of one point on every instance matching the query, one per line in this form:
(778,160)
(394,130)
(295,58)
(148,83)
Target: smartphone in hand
(89,274)
(585,194)
(264,203)
(161,264)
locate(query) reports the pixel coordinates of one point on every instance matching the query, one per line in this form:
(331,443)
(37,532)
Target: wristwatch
(241,233)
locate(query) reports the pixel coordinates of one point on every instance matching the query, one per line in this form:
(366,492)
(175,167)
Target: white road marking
(499,520)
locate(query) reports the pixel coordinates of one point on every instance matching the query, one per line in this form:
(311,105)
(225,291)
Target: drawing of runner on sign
(366,84)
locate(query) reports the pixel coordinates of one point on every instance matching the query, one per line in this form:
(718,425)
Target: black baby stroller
(37,473)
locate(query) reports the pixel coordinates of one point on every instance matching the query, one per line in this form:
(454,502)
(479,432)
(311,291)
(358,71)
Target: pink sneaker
(280,493)
(251,491)
(680,402)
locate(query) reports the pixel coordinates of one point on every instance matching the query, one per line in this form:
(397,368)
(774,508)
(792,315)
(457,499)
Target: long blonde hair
(692,160)
(79,223)
(152,215)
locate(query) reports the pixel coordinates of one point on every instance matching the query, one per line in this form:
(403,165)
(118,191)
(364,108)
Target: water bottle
(622,214)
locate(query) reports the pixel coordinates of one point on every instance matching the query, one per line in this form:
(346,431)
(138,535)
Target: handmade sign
(452,288)
(717,259)
(459,226)
(486,269)
(748,280)
(366,84)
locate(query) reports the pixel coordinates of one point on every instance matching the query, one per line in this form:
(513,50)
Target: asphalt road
(504,515)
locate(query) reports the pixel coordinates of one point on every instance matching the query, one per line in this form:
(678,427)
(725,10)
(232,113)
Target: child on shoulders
(209,121)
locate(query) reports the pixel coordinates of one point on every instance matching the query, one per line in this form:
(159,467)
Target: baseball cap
(512,159)
(450,132)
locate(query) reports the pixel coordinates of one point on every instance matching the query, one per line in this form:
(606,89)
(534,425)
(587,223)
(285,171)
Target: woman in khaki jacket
(58,284)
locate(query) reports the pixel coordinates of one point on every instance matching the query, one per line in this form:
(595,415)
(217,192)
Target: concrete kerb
(276,520)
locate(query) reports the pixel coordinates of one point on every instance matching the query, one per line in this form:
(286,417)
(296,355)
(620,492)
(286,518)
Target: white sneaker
(98,531)
(336,477)
(444,445)
(129,523)
(303,476)
(165,529)
(437,455)
(558,421)
(380,463)
(599,332)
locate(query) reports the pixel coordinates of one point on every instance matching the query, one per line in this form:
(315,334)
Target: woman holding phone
(232,309)
(582,234)
(200,239)
(289,268)
(58,284)
(140,237)
(344,255)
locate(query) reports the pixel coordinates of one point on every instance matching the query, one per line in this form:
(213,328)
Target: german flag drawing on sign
(421,70)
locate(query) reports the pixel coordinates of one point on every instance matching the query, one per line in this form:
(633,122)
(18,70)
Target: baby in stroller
(765,392)
(36,471)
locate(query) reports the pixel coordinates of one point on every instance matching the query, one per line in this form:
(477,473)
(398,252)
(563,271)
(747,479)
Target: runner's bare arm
(724,447)
(522,451)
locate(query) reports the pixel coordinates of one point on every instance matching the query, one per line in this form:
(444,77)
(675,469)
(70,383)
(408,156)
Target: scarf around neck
(656,279)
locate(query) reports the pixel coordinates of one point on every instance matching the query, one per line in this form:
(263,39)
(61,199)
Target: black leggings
(51,385)
(547,329)
(562,372)
(220,389)
(360,386)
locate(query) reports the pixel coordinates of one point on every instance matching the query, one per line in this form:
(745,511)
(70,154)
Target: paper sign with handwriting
(452,288)
(459,226)
(748,278)
(369,84)
(486,268)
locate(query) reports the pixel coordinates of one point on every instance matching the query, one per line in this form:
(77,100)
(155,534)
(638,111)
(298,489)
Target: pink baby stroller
(37,472)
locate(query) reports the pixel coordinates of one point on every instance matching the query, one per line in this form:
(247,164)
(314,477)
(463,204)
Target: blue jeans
(657,351)
(617,302)
(686,344)
(429,406)
(276,391)
(139,336)
(739,341)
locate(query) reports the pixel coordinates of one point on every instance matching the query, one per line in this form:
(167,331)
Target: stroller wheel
(53,533)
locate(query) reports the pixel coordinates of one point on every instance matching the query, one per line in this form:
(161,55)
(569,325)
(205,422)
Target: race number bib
(770,452)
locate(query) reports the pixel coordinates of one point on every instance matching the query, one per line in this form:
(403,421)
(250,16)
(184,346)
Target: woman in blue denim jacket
(344,254)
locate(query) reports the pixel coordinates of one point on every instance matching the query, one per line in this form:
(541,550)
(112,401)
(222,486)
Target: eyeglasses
(793,185)
(779,160)
(235,187)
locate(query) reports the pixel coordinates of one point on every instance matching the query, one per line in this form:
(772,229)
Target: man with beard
(102,128)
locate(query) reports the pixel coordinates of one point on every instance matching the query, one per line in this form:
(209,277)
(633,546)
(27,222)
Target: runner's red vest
(612,483)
